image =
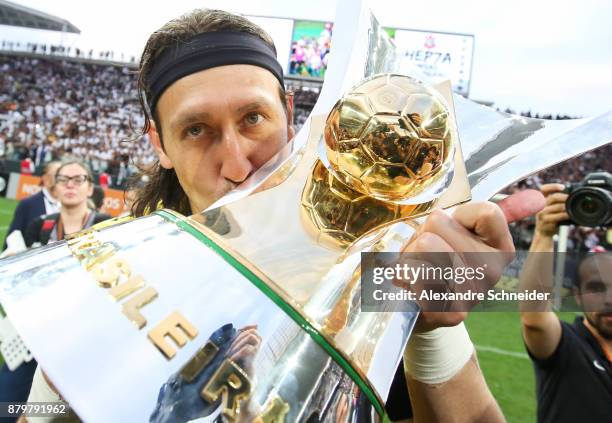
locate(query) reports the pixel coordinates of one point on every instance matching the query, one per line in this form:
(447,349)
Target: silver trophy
(147,319)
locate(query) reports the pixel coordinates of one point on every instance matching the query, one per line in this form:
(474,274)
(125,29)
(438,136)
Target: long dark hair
(156,186)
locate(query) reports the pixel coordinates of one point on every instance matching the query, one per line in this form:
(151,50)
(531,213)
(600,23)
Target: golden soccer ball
(391,137)
(336,215)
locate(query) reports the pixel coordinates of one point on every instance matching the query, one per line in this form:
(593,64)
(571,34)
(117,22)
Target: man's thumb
(522,204)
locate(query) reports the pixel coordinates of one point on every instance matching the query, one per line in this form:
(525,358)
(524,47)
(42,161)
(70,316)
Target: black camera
(590,202)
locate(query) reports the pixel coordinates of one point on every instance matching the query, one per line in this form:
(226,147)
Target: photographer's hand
(548,220)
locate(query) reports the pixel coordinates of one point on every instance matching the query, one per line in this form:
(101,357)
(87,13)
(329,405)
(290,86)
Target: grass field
(501,353)
(7,207)
(504,362)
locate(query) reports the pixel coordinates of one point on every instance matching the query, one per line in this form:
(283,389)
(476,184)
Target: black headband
(208,50)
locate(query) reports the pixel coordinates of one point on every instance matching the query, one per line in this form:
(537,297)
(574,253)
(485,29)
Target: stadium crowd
(305,98)
(67,108)
(89,111)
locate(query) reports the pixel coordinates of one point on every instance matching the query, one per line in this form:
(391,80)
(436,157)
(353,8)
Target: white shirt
(51,204)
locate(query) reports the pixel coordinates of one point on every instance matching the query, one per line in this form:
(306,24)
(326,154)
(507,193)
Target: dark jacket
(27,210)
(40,229)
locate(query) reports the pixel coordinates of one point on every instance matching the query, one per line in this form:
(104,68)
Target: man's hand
(478,227)
(547,220)
(473,227)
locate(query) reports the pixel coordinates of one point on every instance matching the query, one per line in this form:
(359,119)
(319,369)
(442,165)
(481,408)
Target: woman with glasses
(73,188)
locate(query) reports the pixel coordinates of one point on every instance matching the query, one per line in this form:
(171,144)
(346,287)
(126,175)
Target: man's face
(218,126)
(48,179)
(595,275)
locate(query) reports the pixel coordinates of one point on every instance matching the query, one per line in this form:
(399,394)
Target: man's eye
(195,131)
(253,118)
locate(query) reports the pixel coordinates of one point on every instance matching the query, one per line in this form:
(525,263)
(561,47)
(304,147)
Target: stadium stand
(51,109)
(55,107)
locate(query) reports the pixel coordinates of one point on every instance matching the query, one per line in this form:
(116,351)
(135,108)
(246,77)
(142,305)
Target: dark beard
(606,334)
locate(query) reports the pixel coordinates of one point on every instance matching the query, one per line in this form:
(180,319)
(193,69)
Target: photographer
(571,361)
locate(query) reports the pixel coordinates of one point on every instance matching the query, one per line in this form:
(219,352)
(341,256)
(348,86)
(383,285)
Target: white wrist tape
(436,356)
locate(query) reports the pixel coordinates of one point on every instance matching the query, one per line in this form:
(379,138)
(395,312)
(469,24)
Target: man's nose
(235,161)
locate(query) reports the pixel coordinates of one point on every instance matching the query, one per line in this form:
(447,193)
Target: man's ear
(290,127)
(155,140)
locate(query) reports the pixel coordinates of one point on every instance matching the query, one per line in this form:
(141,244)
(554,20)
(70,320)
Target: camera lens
(590,206)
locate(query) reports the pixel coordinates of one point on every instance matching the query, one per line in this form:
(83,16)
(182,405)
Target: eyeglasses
(78,179)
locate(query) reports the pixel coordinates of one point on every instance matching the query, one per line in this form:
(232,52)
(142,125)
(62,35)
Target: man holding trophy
(216,110)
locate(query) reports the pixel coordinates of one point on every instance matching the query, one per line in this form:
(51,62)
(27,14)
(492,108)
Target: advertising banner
(438,55)
(27,185)
(114,202)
